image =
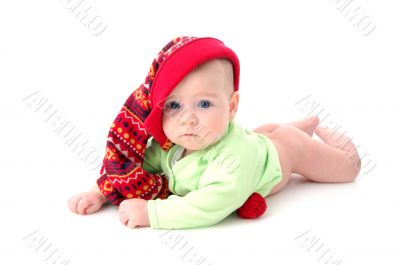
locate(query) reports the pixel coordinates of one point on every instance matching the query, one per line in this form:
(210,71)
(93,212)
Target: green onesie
(210,184)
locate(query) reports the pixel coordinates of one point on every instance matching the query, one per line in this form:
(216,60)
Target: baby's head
(197,112)
(186,71)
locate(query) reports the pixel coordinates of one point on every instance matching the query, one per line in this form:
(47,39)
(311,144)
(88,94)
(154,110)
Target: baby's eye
(173,105)
(204,104)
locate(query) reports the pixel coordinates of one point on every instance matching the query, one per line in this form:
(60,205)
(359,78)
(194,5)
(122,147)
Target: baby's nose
(189,118)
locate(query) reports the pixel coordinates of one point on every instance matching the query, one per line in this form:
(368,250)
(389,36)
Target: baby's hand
(133,213)
(86,202)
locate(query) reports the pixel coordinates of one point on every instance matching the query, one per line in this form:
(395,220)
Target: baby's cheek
(214,130)
(169,128)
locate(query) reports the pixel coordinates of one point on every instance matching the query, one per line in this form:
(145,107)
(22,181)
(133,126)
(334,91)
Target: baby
(215,164)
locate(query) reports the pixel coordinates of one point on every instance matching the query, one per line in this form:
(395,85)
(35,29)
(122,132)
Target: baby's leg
(307,125)
(318,161)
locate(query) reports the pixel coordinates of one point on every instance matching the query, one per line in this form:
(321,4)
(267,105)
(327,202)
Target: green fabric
(210,184)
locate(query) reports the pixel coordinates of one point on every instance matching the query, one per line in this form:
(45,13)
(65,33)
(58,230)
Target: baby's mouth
(189,135)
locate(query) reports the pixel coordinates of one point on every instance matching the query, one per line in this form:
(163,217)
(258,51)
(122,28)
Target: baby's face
(197,112)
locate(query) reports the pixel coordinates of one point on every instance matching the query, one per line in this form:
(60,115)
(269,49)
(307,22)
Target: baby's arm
(201,208)
(219,194)
(87,202)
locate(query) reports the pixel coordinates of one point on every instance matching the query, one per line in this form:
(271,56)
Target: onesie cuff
(152,213)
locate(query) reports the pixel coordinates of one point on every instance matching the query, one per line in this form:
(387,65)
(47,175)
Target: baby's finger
(132,223)
(123,218)
(82,205)
(72,203)
(92,208)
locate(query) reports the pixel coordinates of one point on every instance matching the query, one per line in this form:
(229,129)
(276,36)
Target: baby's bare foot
(334,138)
(331,137)
(86,202)
(307,125)
(340,141)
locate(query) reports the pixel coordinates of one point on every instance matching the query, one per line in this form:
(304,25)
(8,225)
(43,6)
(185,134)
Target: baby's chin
(194,142)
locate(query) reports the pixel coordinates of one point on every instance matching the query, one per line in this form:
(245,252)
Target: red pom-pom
(254,207)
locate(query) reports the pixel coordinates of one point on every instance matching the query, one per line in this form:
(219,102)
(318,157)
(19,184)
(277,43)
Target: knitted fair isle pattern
(121,175)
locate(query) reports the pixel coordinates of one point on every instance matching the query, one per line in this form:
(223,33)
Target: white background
(288,50)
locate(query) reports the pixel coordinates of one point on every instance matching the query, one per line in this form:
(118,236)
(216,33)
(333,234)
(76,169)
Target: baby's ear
(233,105)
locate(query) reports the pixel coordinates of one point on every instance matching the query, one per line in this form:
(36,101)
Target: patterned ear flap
(122,176)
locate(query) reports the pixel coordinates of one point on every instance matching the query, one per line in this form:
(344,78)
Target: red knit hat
(122,176)
(175,61)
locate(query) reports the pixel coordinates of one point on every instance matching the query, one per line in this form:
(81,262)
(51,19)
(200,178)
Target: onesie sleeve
(224,186)
(152,157)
